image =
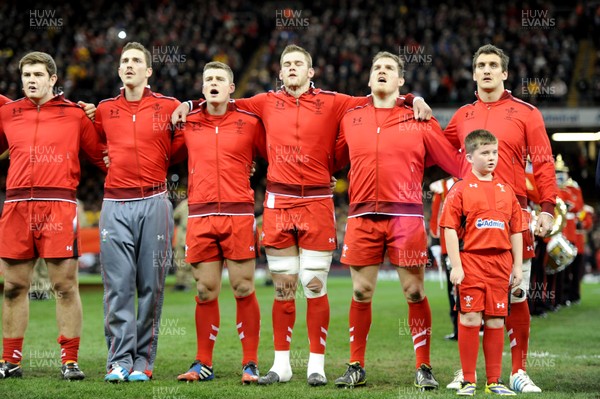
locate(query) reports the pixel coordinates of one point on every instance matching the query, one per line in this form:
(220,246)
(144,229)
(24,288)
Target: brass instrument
(561,252)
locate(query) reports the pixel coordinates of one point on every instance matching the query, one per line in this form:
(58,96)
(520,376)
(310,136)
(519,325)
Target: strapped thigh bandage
(283,264)
(314,264)
(524,286)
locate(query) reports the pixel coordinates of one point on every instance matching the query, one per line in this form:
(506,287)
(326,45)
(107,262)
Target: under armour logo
(345,249)
(530,247)
(160,237)
(69,247)
(473,185)
(499,305)
(331,239)
(251,247)
(501,187)
(104,234)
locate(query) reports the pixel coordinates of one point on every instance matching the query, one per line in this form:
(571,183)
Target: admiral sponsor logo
(489,224)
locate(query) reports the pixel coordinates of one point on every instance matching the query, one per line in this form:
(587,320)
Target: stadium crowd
(435,42)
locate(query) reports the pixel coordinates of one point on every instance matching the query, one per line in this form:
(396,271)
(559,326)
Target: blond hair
(292,48)
(219,65)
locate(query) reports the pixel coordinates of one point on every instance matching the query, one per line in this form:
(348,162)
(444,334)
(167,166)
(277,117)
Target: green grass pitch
(564,351)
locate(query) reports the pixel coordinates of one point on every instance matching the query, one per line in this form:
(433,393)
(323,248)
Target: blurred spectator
(435,41)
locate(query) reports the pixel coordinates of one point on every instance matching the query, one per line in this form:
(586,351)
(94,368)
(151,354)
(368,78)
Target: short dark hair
(477,138)
(139,46)
(491,49)
(37,57)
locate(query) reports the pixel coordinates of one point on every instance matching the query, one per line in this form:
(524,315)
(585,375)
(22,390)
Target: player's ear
(231,88)
(311,72)
(148,72)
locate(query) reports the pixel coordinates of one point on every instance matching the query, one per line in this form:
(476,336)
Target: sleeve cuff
(548,207)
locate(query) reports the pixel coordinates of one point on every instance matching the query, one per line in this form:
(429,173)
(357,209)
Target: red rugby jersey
(220,153)
(484,213)
(300,138)
(388,159)
(44,144)
(140,143)
(520,130)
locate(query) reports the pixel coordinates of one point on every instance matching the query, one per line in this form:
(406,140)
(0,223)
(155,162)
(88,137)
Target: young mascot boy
(486,215)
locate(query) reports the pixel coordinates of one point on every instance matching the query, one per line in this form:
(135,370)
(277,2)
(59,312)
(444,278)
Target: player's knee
(314,267)
(361,294)
(65,289)
(414,294)
(206,292)
(495,322)
(363,291)
(13,290)
(243,288)
(518,295)
(471,319)
(315,285)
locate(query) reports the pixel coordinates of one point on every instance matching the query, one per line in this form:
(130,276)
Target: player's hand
(543,225)
(105,158)
(90,109)
(332,183)
(180,113)
(252,168)
(517,277)
(421,110)
(457,275)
